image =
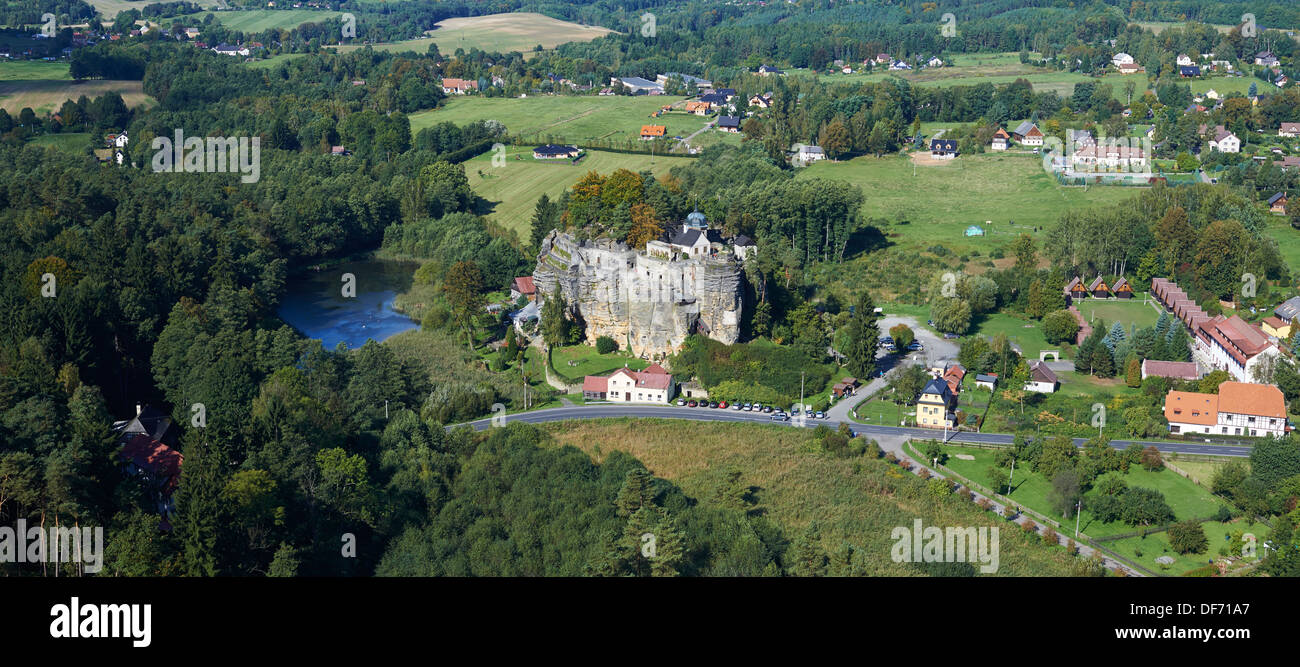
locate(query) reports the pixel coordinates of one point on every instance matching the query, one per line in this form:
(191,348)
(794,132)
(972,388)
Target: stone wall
(648,304)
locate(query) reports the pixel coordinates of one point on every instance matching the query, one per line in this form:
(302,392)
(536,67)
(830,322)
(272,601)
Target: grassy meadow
(512,190)
(572,119)
(939,202)
(519,31)
(855,501)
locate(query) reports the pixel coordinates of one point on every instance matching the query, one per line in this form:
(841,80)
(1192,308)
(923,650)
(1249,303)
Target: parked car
(780,417)
(767,409)
(914,346)
(821,415)
(713,405)
(692,404)
(723,405)
(681,401)
(735,406)
(749,407)
(950,336)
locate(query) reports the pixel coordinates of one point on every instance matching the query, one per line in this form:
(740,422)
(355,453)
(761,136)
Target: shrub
(1188,537)
(1049,536)
(924,474)
(984,504)
(1029,526)
(606,345)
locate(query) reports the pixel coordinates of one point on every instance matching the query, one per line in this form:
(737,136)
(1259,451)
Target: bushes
(606,345)
(755,364)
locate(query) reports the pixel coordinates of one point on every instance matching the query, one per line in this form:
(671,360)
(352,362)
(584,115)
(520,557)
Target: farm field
(520,31)
(273,61)
(44,95)
(1031,490)
(852,500)
(570,119)
(513,190)
(259,20)
(940,202)
(34,70)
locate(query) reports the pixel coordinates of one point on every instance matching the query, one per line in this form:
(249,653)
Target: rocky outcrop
(648,304)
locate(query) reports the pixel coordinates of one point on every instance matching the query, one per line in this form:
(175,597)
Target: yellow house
(934,407)
(1276,326)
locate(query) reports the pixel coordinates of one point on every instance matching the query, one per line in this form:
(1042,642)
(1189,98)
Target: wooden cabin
(1075,290)
(1122,289)
(1098,289)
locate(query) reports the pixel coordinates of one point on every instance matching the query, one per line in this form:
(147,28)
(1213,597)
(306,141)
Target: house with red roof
(652,385)
(156,464)
(523,286)
(1232,344)
(1239,408)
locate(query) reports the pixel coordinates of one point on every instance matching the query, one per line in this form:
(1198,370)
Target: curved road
(890,439)
(611,410)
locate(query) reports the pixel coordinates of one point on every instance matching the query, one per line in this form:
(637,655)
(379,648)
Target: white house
(1108,156)
(934,62)
(652,385)
(1289,130)
(743,247)
(806,154)
(1233,345)
(1041,378)
(1121,58)
(1238,409)
(1225,141)
(1184,60)
(1028,134)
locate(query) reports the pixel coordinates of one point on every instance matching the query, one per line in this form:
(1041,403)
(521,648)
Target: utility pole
(1078,507)
(801,405)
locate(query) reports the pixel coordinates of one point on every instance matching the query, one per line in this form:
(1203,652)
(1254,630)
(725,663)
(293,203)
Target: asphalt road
(872,430)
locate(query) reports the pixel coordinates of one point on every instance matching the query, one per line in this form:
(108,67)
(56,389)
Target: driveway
(937,349)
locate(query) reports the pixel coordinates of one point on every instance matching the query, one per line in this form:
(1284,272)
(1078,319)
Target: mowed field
(33,70)
(1012,192)
(258,20)
(513,189)
(566,118)
(520,31)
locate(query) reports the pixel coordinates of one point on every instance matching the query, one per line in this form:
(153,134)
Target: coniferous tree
(864,337)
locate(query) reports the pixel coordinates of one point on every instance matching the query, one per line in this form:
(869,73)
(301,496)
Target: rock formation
(649,304)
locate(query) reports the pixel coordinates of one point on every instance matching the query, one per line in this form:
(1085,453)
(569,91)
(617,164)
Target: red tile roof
(524,285)
(1241,339)
(1263,400)
(1182,370)
(655,369)
(159,460)
(1189,407)
(595,383)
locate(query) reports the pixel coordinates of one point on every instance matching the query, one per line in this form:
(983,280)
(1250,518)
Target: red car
(722,405)
(692,404)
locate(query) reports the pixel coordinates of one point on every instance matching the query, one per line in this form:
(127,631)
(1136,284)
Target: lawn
(1031,490)
(513,189)
(44,95)
(1157,545)
(564,118)
(576,361)
(1128,311)
(854,501)
(520,31)
(268,63)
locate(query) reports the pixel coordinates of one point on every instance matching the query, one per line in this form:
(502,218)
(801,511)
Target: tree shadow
(865,240)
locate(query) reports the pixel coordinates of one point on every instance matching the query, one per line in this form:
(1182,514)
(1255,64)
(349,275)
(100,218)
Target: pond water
(314,303)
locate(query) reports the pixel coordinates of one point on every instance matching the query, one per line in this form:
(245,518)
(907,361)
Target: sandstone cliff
(648,304)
